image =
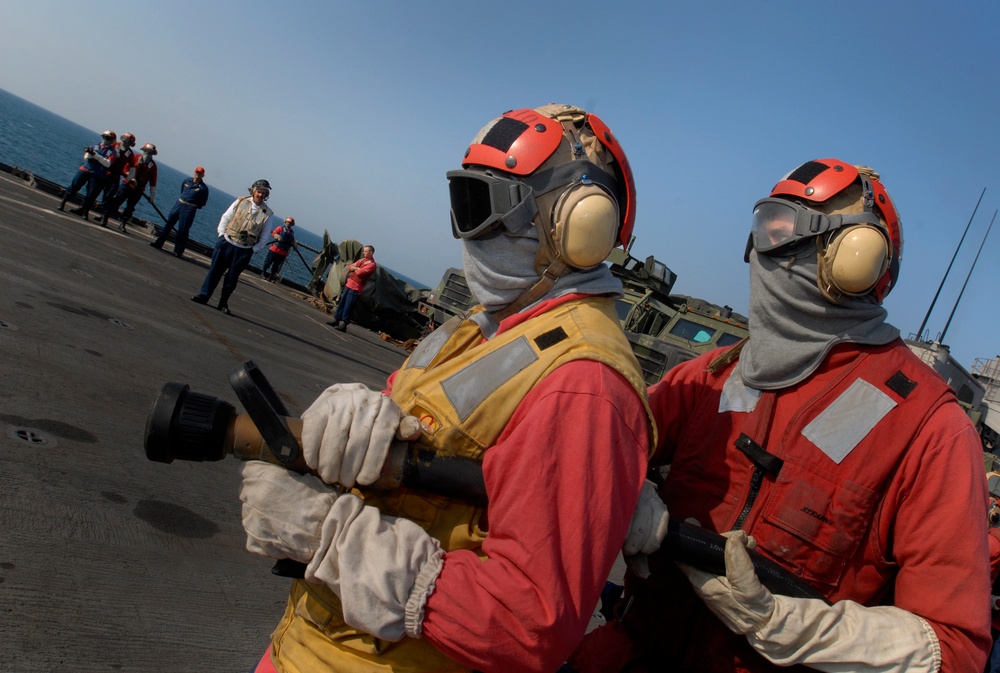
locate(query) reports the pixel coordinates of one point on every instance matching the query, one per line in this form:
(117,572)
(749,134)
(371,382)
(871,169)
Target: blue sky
(355,111)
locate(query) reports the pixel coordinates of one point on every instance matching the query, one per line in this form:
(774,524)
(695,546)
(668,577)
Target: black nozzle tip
(186,425)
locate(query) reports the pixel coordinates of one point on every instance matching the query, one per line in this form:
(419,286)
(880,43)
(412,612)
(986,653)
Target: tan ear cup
(585,225)
(854,260)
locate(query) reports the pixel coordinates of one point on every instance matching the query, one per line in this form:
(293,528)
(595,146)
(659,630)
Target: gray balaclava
(499,270)
(793,327)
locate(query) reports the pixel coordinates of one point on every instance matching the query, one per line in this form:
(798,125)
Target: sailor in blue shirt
(194,195)
(96,160)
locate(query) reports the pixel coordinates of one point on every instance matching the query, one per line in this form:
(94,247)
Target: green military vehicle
(640,280)
(666,332)
(666,329)
(448,299)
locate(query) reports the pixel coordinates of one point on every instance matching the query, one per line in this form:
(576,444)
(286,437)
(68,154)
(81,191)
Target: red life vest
(807,511)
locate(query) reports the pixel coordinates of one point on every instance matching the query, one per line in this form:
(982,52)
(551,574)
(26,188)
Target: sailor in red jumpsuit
(538,382)
(823,441)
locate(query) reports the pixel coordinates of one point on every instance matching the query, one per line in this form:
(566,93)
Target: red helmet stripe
(606,138)
(519,142)
(817,180)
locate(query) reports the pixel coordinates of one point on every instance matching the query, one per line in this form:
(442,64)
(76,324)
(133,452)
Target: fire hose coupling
(186,425)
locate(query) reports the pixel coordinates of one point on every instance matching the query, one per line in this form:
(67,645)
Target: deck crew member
(240,236)
(826,443)
(96,161)
(194,196)
(283,240)
(538,382)
(120,166)
(358,274)
(142,172)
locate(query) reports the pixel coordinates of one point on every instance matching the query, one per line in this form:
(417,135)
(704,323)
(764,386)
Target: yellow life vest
(464,390)
(246,225)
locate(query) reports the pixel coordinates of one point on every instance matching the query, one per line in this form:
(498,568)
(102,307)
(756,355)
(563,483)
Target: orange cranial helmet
(848,211)
(557,167)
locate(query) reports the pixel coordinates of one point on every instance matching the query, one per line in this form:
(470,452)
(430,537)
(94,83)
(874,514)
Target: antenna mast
(967,277)
(947,271)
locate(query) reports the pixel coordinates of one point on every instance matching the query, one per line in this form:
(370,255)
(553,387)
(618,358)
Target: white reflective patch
(737,396)
(467,389)
(430,345)
(848,420)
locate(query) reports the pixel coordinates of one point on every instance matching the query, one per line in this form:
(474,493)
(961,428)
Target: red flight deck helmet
(557,166)
(848,210)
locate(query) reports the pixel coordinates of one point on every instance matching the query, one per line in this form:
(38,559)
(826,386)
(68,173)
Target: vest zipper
(764,463)
(755,480)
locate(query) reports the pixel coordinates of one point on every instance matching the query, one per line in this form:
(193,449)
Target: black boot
(224,303)
(62,204)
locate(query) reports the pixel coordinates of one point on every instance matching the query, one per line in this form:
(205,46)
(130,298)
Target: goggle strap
(571,171)
(519,217)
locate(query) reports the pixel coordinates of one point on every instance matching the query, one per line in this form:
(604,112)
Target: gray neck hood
(792,326)
(499,270)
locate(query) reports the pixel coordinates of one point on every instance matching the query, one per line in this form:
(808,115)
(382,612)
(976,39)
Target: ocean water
(50,146)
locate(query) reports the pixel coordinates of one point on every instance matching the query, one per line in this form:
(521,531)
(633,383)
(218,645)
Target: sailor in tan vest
(538,382)
(240,236)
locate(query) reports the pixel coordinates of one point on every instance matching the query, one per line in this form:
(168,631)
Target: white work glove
(738,599)
(347,432)
(283,512)
(382,567)
(834,638)
(649,523)
(152,193)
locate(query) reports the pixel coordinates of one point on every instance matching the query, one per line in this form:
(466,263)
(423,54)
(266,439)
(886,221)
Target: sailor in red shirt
(358,273)
(538,382)
(823,441)
(143,171)
(277,253)
(120,167)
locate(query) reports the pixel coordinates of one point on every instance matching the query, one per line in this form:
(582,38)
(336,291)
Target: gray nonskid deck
(107,560)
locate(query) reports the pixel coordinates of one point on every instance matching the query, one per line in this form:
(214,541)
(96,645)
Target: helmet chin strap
(556,270)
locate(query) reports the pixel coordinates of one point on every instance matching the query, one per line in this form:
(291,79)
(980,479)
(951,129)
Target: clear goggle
(779,224)
(483,204)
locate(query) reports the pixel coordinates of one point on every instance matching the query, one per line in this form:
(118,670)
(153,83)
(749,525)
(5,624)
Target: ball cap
(200,170)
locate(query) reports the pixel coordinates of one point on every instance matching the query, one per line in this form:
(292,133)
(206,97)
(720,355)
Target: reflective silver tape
(847,421)
(467,389)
